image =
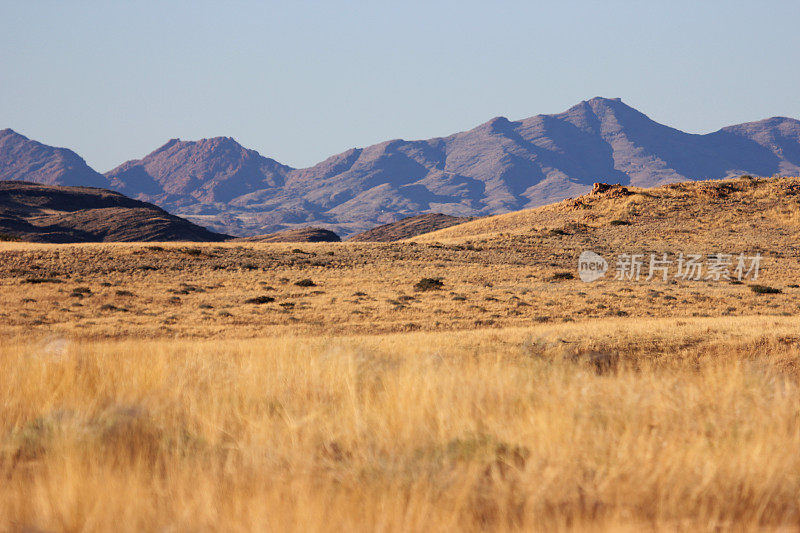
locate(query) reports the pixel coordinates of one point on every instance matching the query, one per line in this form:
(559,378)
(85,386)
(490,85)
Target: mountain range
(497,167)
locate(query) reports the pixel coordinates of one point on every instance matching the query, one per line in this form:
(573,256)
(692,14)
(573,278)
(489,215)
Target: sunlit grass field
(637,424)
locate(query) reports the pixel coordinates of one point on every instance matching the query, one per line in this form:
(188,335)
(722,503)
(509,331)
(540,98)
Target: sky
(301,81)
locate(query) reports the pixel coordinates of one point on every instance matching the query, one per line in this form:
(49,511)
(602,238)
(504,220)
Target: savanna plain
(461,380)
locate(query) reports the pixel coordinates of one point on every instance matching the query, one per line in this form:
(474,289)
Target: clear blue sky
(299,81)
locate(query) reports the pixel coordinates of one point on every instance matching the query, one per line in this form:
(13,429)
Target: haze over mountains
(497,167)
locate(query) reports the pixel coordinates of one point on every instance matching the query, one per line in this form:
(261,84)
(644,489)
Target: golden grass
(695,427)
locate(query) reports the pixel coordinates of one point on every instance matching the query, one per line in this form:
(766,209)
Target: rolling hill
(60,214)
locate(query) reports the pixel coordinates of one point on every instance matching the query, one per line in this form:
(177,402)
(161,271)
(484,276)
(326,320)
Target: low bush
(764,289)
(260,300)
(428,284)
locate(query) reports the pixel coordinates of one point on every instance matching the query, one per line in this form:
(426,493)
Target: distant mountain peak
(206,143)
(599,105)
(22,159)
(212,170)
(167,145)
(497,124)
(605,100)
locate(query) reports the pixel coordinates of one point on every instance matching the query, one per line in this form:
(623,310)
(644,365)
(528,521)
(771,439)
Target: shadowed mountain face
(25,160)
(58,214)
(499,166)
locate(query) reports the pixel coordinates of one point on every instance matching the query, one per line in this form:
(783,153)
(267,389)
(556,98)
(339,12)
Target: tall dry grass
(626,423)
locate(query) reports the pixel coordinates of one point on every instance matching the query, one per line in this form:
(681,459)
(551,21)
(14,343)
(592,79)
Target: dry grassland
(142,391)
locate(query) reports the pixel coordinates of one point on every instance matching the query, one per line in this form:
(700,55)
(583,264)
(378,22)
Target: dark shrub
(305,283)
(260,300)
(428,284)
(763,289)
(42,280)
(620,223)
(561,275)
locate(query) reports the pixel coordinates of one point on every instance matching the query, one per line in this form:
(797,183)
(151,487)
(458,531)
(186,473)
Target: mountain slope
(498,167)
(27,160)
(59,214)
(210,171)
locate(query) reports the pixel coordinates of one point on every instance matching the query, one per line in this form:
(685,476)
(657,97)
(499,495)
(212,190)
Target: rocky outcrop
(613,191)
